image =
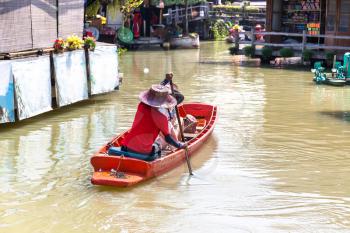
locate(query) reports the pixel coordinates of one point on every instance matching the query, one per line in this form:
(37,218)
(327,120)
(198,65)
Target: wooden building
(316,17)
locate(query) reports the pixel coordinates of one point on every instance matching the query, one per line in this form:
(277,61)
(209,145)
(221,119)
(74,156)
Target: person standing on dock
(149,121)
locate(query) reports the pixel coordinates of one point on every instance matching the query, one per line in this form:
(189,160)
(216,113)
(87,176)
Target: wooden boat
(336,82)
(123,171)
(185,42)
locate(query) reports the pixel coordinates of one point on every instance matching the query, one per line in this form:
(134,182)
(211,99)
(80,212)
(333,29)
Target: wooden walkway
(296,46)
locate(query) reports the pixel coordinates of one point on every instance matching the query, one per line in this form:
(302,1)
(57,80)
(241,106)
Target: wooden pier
(318,48)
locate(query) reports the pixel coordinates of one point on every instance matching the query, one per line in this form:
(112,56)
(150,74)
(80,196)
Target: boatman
(149,121)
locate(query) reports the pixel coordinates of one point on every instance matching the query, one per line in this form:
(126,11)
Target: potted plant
(307,55)
(266,54)
(286,52)
(233,50)
(74,42)
(249,51)
(59,45)
(90,43)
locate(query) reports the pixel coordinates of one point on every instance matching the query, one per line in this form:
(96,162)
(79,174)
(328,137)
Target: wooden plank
(298,46)
(330,36)
(280,34)
(300,35)
(329,47)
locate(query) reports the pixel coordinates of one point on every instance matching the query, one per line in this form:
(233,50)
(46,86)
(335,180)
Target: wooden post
(160,15)
(176,15)
(88,73)
(237,42)
(16,109)
(205,29)
(303,45)
(54,100)
(334,60)
(169,19)
(186,17)
(253,38)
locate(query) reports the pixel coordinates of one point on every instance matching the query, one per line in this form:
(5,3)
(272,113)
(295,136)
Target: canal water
(278,159)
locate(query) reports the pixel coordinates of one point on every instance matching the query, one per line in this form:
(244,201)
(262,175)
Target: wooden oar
(181,131)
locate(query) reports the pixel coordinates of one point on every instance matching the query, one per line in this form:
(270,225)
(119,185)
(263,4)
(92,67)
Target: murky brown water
(278,160)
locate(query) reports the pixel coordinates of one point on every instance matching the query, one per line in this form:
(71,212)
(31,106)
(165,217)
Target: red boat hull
(135,170)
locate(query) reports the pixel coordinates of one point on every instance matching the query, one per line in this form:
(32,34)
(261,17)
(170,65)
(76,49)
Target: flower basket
(74,42)
(59,45)
(90,43)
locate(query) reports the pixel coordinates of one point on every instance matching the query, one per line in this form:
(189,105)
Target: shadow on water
(340,115)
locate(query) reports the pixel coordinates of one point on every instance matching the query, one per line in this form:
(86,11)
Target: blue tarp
(7,113)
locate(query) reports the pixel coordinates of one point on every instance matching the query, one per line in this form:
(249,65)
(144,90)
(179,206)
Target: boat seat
(116,151)
(201,124)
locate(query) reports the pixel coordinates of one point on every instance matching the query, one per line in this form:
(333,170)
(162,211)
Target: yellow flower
(74,42)
(236,27)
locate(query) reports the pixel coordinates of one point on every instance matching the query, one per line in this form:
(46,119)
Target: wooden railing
(194,13)
(206,11)
(301,46)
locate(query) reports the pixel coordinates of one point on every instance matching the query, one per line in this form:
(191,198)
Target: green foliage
(286,52)
(307,54)
(90,43)
(249,51)
(252,9)
(233,50)
(266,53)
(228,8)
(92,9)
(229,24)
(121,51)
(176,2)
(129,6)
(113,10)
(219,30)
(236,9)
(330,55)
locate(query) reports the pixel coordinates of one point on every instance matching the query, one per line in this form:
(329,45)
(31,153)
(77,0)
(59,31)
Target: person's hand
(169,76)
(183,145)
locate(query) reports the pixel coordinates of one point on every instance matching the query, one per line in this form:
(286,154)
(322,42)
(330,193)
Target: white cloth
(33,86)
(71,77)
(104,69)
